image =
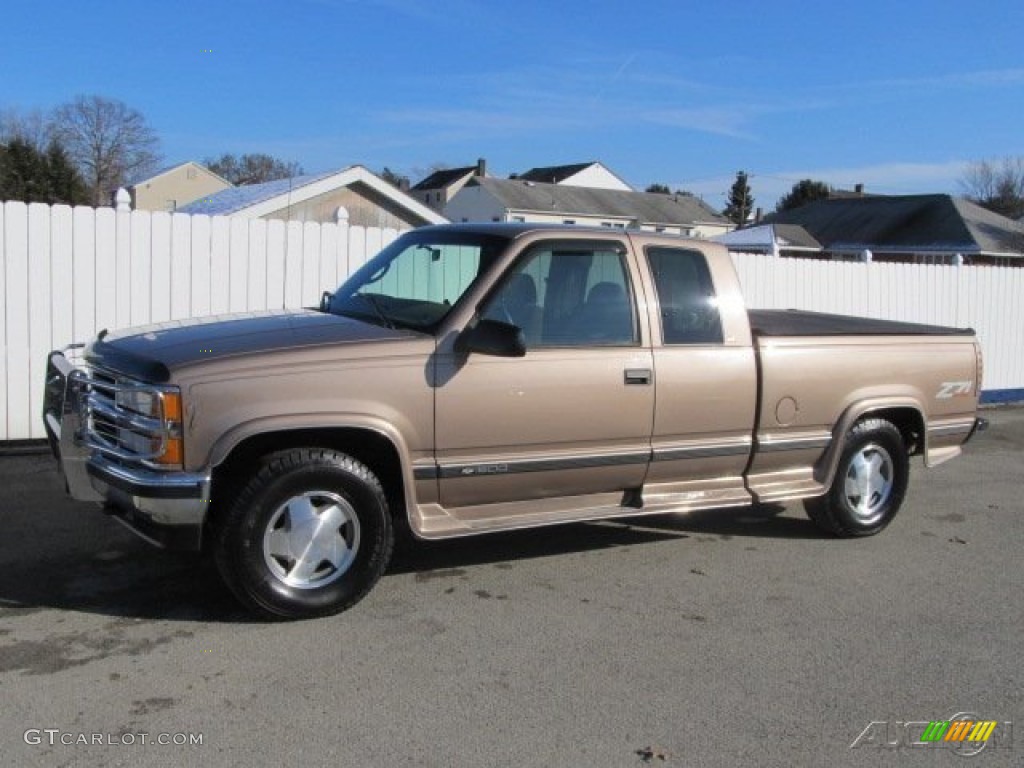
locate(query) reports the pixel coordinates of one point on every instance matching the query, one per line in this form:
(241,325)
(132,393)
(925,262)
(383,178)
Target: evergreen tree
(661,189)
(741,200)
(65,182)
(802,193)
(32,176)
(22,172)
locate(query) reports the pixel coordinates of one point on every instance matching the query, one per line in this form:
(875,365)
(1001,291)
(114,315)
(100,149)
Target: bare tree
(255,168)
(109,142)
(996,185)
(33,127)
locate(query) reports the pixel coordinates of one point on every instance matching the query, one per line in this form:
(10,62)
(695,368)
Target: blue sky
(897,95)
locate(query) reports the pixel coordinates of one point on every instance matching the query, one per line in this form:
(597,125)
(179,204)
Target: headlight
(141,401)
(164,406)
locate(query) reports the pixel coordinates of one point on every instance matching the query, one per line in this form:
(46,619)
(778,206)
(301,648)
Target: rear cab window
(686,295)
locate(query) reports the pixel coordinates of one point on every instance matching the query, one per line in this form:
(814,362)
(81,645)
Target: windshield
(415,281)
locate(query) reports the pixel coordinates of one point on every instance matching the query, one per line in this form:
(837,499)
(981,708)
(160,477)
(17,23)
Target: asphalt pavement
(724,638)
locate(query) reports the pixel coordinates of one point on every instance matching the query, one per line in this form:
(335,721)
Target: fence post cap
(122,200)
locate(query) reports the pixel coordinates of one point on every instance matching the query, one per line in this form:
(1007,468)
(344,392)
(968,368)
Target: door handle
(637,376)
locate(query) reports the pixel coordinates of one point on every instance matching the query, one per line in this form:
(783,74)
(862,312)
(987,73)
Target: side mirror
(491,337)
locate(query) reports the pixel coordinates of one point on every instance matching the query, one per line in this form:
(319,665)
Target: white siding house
(593,175)
(488,199)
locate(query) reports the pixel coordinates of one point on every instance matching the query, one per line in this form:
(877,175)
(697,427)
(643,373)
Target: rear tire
(869,484)
(309,535)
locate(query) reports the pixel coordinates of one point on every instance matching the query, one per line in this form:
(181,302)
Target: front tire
(309,535)
(869,484)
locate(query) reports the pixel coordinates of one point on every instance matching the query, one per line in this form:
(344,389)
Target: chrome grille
(115,430)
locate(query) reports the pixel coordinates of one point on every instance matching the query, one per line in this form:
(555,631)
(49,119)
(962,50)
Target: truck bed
(792,322)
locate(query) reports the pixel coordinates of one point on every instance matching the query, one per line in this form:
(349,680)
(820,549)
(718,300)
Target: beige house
(173,188)
(353,193)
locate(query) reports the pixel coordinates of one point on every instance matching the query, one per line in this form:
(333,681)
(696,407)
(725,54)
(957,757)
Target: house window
(437,197)
(517,218)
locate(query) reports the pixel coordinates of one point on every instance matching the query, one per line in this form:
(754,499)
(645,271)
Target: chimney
(859,190)
(403,183)
(481,167)
(758,215)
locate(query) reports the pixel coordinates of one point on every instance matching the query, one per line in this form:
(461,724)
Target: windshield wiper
(374,302)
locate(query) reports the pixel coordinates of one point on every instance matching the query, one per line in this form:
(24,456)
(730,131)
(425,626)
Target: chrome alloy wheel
(311,540)
(869,481)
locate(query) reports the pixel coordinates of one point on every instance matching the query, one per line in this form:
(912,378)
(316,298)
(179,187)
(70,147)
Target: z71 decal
(948,389)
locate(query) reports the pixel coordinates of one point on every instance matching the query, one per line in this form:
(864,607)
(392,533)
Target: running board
(432,521)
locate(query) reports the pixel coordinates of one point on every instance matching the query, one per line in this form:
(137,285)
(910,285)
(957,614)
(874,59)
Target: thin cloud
(727,121)
(895,178)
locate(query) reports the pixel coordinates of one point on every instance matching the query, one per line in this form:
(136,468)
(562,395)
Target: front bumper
(167,508)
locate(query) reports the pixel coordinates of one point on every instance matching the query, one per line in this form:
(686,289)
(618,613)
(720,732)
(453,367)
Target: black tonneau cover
(793,322)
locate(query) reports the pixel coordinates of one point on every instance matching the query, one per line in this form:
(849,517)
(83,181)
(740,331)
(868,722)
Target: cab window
(686,294)
(569,295)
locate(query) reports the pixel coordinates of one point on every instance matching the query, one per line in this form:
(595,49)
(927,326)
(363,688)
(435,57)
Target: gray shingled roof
(794,235)
(909,222)
(441,179)
(645,207)
(764,236)
(229,201)
(553,174)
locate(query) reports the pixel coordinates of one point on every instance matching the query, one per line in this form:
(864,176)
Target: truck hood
(151,352)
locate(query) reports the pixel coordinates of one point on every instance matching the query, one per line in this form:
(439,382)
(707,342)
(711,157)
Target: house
(437,189)
(354,192)
(171,188)
(773,239)
(491,199)
(592,174)
(935,228)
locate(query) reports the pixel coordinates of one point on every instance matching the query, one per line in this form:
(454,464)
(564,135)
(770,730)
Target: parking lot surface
(733,637)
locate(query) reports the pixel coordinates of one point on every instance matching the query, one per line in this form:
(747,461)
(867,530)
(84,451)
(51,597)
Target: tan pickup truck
(476,378)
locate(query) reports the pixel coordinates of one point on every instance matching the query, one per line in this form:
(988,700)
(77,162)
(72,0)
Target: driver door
(574,416)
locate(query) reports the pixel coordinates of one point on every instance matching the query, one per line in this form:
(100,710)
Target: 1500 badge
(486,469)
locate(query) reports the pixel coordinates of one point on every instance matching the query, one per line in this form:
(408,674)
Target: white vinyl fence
(66,273)
(988,299)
